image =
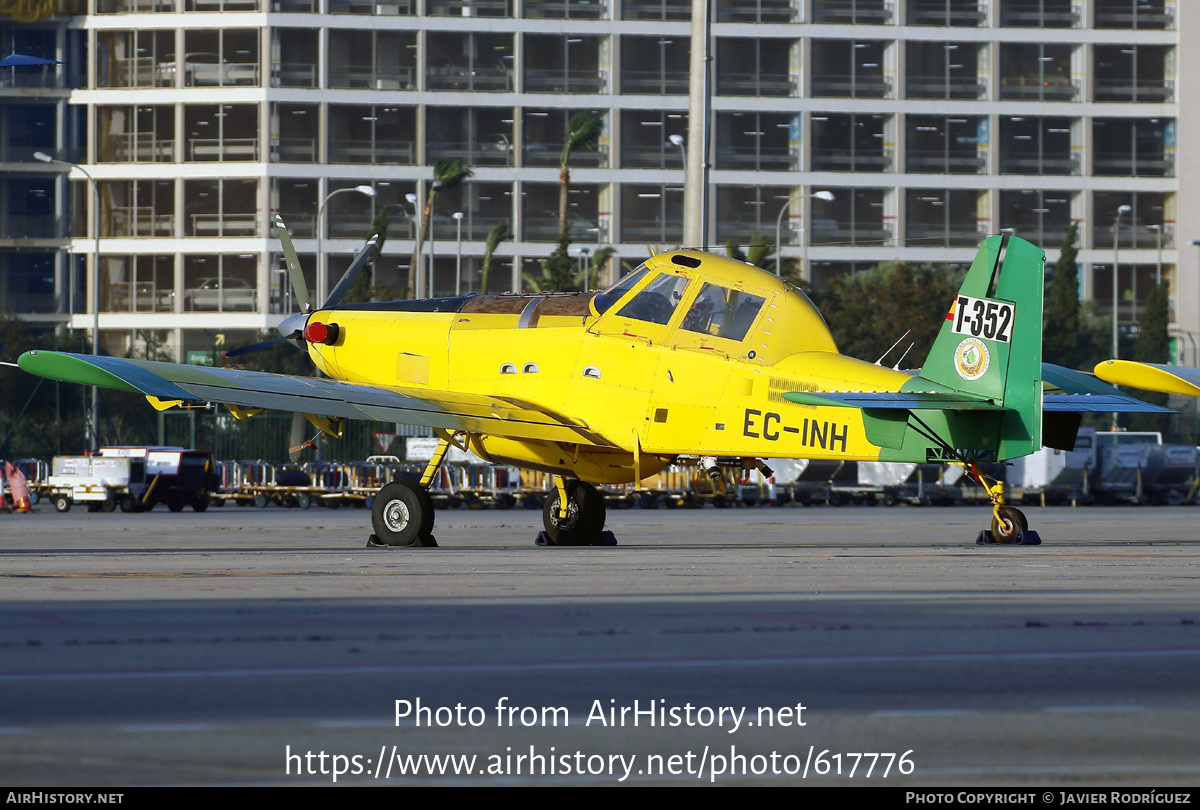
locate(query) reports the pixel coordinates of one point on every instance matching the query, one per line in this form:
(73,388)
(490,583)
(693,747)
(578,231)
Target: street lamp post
(458,218)
(1158,229)
(1124,209)
(92,428)
(677,140)
(827,196)
(322,283)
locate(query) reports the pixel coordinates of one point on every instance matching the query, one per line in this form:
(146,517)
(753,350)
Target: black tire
(402,514)
(585,520)
(62,503)
(199,503)
(128,504)
(304,500)
(108,505)
(261,500)
(214,501)
(1010,521)
(175,503)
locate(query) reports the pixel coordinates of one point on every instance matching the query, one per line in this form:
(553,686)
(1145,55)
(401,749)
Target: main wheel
(402,514)
(1010,521)
(585,515)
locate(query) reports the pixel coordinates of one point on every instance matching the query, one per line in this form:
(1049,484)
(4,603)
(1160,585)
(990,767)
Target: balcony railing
(468,8)
(133,6)
(939,87)
(780,158)
(472,153)
(300,225)
(776,11)
(1137,236)
(365,77)
(1142,18)
(468,78)
(842,233)
(1031,88)
(221,5)
(670,230)
(848,12)
(137,147)
(837,160)
(296,6)
(565,9)
(920,161)
(756,84)
(545,229)
(635,156)
(130,296)
(211,149)
(936,12)
(566,81)
(136,72)
(1033,163)
(656,10)
(653,82)
(548,154)
(294,74)
(294,150)
(388,8)
(139,220)
(1149,90)
(16,226)
(223,225)
(1134,167)
(366,151)
(1035,15)
(921,235)
(839,86)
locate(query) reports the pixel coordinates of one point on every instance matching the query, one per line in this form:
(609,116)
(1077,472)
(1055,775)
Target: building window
(539,212)
(861,12)
(1134,147)
(849,143)
(1036,72)
(137,208)
(1134,14)
(372,60)
(221,208)
(137,283)
(748,211)
(652,213)
(1139,226)
(388,8)
(220,283)
(754,67)
(141,134)
(1042,217)
(26,128)
(1038,14)
(135,58)
(296,202)
(363,134)
(220,132)
(295,133)
(225,58)
(942,218)
(846,68)
(1031,145)
(471,61)
(957,13)
(483,206)
(27,282)
(27,207)
(945,70)
(1136,73)
(297,52)
(476,136)
(946,145)
(752,140)
(468,8)
(134,6)
(566,63)
(853,217)
(654,65)
(645,139)
(545,133)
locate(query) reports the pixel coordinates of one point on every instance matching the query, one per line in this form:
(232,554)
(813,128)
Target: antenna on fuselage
(894,345)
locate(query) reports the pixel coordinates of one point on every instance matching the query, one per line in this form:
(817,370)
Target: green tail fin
(991,342)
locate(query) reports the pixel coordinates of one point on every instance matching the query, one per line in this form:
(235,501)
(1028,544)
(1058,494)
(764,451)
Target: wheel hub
(396,516)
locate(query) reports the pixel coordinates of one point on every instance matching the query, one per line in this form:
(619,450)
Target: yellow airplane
(691,354)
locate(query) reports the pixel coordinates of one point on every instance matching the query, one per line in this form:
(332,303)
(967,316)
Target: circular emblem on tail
(971,359)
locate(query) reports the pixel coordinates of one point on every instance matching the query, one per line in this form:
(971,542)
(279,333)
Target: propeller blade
(295,272)
(296,438)
(347,279)
(253,347)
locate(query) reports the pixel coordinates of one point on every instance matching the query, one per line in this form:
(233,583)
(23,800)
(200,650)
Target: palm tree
(583,130)
(496,235)
(447,173)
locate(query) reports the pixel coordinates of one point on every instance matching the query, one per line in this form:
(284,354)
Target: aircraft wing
(1151,376)
(476,413)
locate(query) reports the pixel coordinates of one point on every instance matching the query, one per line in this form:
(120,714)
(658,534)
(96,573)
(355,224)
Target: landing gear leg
(402,512)
(574,516)
(1009,525)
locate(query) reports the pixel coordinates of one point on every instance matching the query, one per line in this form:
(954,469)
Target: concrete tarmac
(247,646)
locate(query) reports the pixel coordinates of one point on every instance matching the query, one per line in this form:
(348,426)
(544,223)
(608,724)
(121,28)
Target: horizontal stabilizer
(1151,376)
(907,400)
(1099,403)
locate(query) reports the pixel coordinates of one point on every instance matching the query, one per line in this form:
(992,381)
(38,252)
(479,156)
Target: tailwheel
(402,515)
(585,515)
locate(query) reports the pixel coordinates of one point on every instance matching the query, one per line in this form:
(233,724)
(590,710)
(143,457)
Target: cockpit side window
(722,312)
(603,301)
(657,301)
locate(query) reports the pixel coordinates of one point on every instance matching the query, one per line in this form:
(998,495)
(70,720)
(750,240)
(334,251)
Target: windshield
(603,301)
